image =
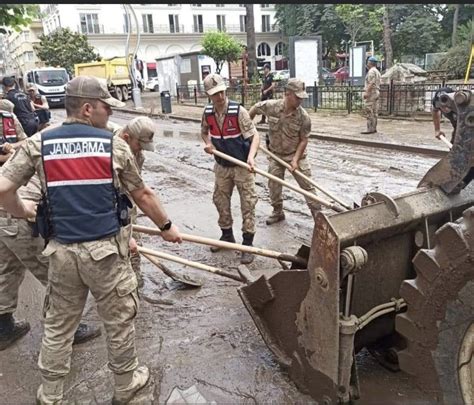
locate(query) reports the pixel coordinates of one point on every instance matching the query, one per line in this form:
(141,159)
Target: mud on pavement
(205,337)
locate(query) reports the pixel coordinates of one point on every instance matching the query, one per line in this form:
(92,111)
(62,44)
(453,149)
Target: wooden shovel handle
(190,263)
(228,245)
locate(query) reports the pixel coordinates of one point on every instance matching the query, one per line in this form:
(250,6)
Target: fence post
(390,97)
(195,96)
(349,99)
(177,93)
(315,97)
(242,92)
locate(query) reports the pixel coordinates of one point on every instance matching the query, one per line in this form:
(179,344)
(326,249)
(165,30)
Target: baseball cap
(266,66)
(213,84)
(297,86)
(91,87)
(143,129)
(6,105)
(31,86)
(372,59)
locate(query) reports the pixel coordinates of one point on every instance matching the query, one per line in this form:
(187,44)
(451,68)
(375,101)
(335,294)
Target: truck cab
(51,83)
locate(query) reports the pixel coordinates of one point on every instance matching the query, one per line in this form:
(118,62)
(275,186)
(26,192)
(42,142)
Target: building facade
(165,29)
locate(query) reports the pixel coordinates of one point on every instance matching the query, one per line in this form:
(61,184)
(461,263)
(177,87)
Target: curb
(420,150)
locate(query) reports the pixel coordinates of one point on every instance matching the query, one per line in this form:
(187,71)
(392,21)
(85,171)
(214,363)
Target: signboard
(306,58)
(357,64)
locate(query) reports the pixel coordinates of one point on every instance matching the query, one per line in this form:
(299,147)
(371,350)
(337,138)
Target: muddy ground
(205,337)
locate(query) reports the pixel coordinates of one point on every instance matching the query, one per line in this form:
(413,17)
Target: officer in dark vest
(84,172)
(227,127)
(23,108)
(438,110)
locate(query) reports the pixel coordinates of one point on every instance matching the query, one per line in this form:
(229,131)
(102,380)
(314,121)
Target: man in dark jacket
(438,110)
(22,109)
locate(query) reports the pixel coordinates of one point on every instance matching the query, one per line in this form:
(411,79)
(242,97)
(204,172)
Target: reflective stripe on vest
(8,127)
(82,198)
(229,140)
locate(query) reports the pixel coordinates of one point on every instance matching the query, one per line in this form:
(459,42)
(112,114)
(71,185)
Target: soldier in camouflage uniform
(227,127)
(138,134)
(7,146)
(289,126)
(88,250)
(371,95)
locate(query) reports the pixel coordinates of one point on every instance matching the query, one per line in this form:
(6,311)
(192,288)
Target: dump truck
(114,71)
(395,276)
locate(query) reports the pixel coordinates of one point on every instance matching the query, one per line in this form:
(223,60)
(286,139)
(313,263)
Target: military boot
(84,333)
(11,330)
(50,392)
(227,236)
(247,258)
(128,384)
(276,216)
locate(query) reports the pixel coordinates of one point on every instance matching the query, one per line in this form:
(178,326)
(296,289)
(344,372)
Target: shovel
(298,173)
(311,196)
(300,261)
(448,144)
(196,265)
(176,277)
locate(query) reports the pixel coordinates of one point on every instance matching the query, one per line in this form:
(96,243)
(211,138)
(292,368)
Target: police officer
(227,127)
(267,87)
(23,109)
(84,172)
(138,134)
(439,110)
(11,131)
(371,95)
(289,126)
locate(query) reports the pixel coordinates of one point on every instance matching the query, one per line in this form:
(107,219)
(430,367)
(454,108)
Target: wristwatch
(166,226)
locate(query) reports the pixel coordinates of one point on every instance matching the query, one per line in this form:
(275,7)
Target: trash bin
(165,102)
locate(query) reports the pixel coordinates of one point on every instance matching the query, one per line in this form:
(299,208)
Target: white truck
(51,83)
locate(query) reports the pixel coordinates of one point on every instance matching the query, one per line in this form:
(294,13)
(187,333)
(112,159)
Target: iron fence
(408,99)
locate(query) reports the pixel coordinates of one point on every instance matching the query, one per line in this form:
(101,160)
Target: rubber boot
(84,333)
(276,216)
(227,236)
(11,330)
(128,384)
(247,258)
(50,392)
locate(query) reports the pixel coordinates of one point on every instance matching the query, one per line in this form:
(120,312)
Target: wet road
(205,337)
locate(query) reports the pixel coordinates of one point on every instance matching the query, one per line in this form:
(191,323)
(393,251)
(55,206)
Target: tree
(17,15)
(455,24)
(221,47)
(251,53)
(65,48)
(455,61)
(387,37)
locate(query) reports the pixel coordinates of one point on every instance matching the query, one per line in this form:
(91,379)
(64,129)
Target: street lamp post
(136,95)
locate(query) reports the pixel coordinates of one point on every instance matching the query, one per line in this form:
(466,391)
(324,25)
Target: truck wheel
(156,88)
(124,93)
(118,93)
(439,322)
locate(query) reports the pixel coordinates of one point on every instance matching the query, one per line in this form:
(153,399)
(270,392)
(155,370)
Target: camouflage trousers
(226,179)
(103,268)
(371,113)
(19,251)
(276,189)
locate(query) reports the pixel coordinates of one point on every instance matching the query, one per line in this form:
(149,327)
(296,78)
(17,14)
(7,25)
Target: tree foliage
(221,47)
(16,16)
(65,48)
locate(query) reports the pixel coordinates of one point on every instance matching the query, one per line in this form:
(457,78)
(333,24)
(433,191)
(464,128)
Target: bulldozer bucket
(308,319)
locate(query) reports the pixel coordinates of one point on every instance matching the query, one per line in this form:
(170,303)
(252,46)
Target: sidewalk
(407,135)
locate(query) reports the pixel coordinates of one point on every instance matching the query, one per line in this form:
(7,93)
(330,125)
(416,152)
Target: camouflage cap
(143,129)
(91,87)
(213,84)
(296,86)
(31,86)
(6,105)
